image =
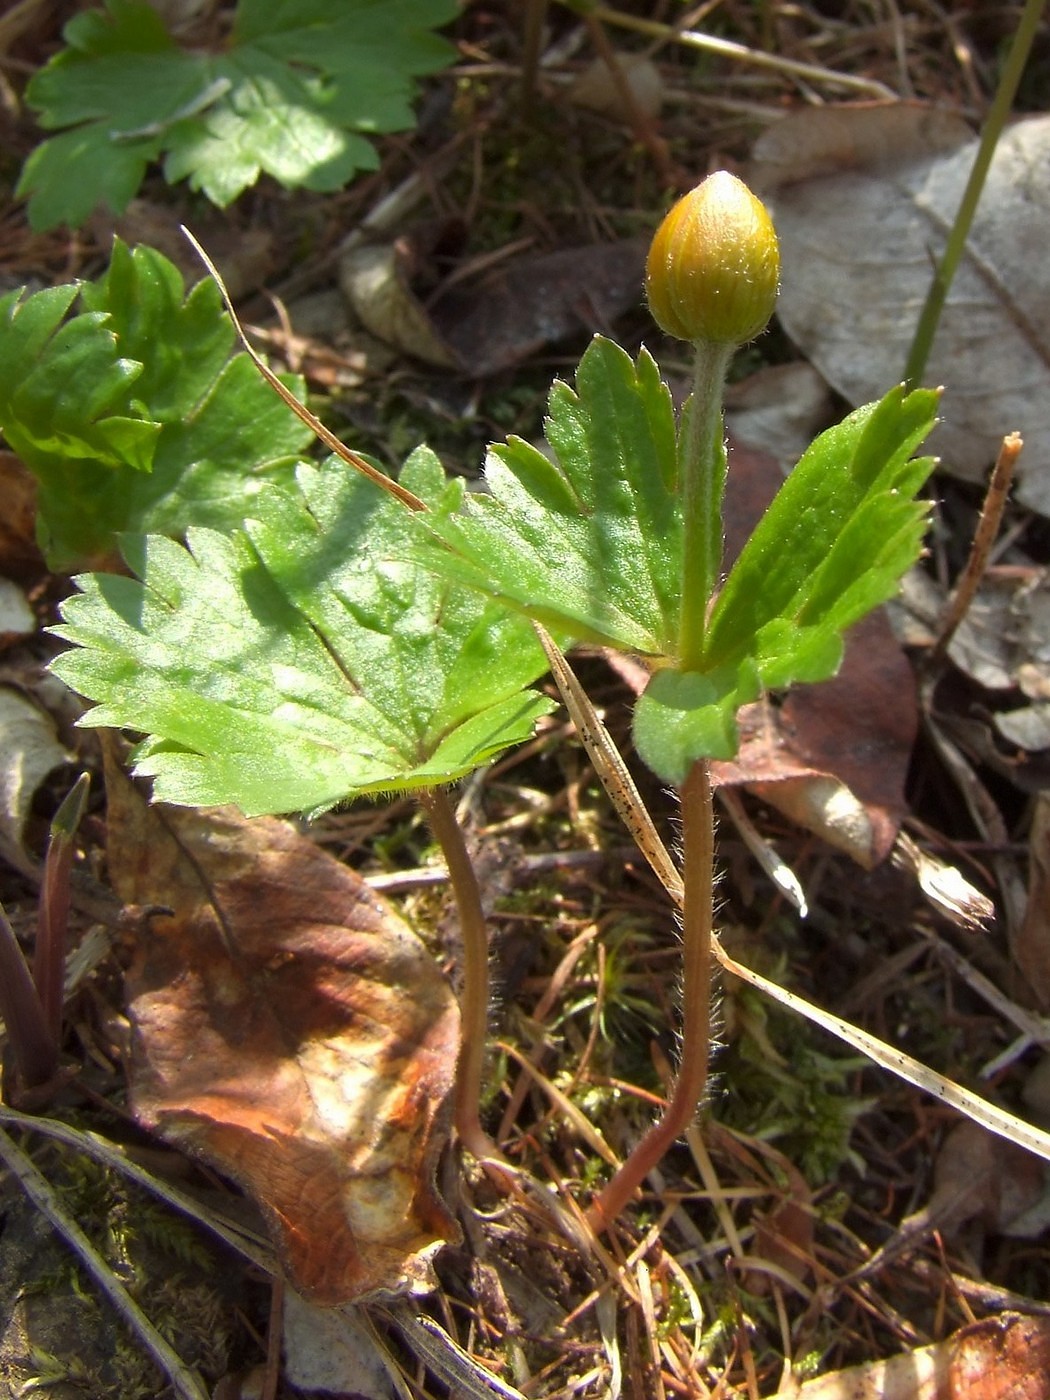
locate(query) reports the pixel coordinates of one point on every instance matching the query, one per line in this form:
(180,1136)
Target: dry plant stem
(983,539)
(532,42)
(1009,81)
(727,48)
(642,124)
(697,910)
(474,999)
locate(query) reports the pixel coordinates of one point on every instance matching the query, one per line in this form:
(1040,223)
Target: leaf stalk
(1009,81)
(474,998)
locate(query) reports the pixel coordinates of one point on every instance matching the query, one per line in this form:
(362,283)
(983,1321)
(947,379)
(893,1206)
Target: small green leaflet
(295,93)
(587,543)
(135,414)
(302,661)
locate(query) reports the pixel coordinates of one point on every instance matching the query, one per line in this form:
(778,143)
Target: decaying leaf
(16,616)
(490,323)
(294,1033)
(20,555)
(834,757)
(999,1358)
(863,198)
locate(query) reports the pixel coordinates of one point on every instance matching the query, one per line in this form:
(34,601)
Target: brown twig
(984,536)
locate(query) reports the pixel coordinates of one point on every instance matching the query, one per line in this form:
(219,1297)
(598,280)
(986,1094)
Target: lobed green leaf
(305,660)
(297,94)
(587,541)
(833,545)
(132,415)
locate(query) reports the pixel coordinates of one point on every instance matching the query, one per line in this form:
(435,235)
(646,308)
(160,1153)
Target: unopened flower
(714,265)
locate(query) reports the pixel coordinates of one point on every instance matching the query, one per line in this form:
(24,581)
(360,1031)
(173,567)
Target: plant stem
(697,910)
(1009,80)
(34,1049)
(49,958)
(702,465)
(474,999)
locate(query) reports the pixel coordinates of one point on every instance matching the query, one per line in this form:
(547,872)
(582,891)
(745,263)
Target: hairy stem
(697,913)
(474,999)
(702,466)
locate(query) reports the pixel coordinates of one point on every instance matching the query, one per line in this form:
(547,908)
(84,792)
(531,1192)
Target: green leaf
(132,415)
(589,542)
(304,661)
(834,544)
(592,541)
(686,715)
(843,529)
(297,93)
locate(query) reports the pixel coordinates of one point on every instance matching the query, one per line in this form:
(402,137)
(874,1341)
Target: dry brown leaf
(834,757)
(20,556)
(862,198)
(294,1033)
(487,324)
(30,749)
(1001,1358)
(982,1178)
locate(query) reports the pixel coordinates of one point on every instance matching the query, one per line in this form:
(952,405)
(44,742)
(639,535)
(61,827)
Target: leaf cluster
(134,413)
(296,92)
(316,639)
(589,538)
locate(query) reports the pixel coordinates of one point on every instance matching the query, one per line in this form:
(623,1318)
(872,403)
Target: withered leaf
(293,1032)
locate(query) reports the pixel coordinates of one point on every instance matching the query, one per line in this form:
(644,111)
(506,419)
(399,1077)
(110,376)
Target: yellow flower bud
(713,265)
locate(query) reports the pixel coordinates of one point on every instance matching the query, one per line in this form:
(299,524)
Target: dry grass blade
(612,771)
(352,459)
(988,1115)
(447,1359)
(249,1245)
(184,1382)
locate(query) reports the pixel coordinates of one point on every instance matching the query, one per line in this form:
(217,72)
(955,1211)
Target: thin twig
(983,539)
(740,53)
